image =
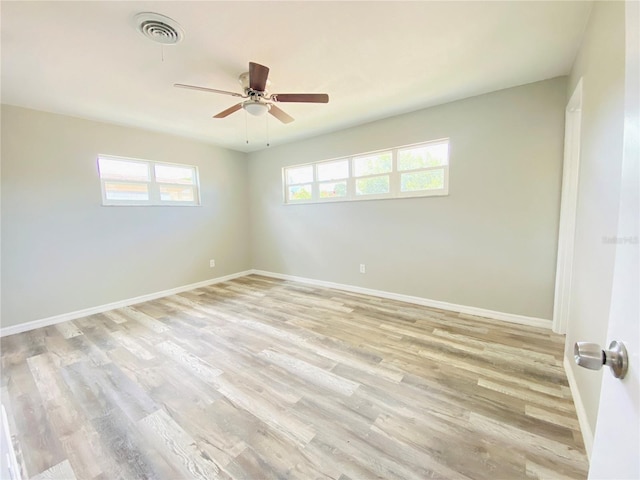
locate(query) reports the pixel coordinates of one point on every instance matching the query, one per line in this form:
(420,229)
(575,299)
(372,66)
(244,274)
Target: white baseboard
(585,428)
(480,312)
(45,322)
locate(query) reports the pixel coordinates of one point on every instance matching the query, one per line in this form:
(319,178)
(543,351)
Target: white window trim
(351,196)
(153,185)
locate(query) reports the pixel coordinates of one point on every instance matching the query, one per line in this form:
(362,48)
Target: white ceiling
(374,59)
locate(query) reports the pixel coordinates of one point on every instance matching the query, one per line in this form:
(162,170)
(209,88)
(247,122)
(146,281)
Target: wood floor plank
(62,470)
(84,452)
(178,447)
(311,373)
(527,441)
(132,345)
(115,317)
(271,414)
(68,329)
(206,425)
(146,320)
(195,365)
(40,446)
(564,419)
(258,378)
(130,453)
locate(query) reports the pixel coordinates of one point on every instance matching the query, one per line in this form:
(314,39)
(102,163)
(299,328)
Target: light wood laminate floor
(258,378)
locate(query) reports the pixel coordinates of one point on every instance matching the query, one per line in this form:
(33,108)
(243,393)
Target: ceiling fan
(259,100)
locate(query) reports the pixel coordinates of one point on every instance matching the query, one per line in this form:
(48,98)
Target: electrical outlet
(212,263)
(363,269)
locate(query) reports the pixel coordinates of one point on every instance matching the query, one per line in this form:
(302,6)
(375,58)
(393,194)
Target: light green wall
(600,64)
(62,251)
(490,244)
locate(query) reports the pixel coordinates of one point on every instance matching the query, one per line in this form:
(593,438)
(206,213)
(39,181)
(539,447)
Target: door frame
(568,211)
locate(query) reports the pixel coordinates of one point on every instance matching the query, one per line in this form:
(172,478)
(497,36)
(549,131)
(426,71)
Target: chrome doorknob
(591,356)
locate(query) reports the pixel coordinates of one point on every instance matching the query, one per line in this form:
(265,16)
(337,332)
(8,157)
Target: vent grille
(159,28)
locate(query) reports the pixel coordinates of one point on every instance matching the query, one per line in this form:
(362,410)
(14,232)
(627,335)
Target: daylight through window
(128,181)
(409,171)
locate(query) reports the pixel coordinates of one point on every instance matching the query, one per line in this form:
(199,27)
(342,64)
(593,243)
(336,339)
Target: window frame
(153,186)
(395,177)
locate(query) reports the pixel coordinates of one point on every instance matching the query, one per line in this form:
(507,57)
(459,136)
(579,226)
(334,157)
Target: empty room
(319,240)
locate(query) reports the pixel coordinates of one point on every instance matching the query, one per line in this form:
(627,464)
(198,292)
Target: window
(410,171)
(367,171)
(332,179)
(423,168)
(300,182)
(127,181)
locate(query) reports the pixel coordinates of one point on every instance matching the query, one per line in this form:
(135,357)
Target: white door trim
(568,210)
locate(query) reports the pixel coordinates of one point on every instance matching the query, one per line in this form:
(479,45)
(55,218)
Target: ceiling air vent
(159,28)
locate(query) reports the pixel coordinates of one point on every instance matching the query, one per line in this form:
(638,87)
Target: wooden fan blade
(229,111)
(300,97)
(210,90)
(280,114)
(258,76)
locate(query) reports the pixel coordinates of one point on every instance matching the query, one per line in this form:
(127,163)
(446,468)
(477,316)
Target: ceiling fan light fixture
(255,108)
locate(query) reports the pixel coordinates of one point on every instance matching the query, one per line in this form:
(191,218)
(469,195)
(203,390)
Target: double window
(409,171)
(127,181)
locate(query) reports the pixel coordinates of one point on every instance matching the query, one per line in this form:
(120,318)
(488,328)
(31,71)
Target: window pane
(372,164)
(300,174)
(300,192)
(372,185)
(172,193)
(426,180)
(333,170)
(126,191)
(423,157)
(174,174)
(333,189)
(123,170)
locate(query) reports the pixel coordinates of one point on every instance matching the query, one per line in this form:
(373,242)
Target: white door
(616,447)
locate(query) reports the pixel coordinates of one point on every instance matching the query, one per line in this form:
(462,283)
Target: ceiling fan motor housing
(253,94)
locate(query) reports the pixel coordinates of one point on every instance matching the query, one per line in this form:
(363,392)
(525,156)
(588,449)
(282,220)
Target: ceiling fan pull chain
(246,128)
(266,119)
(162,52)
